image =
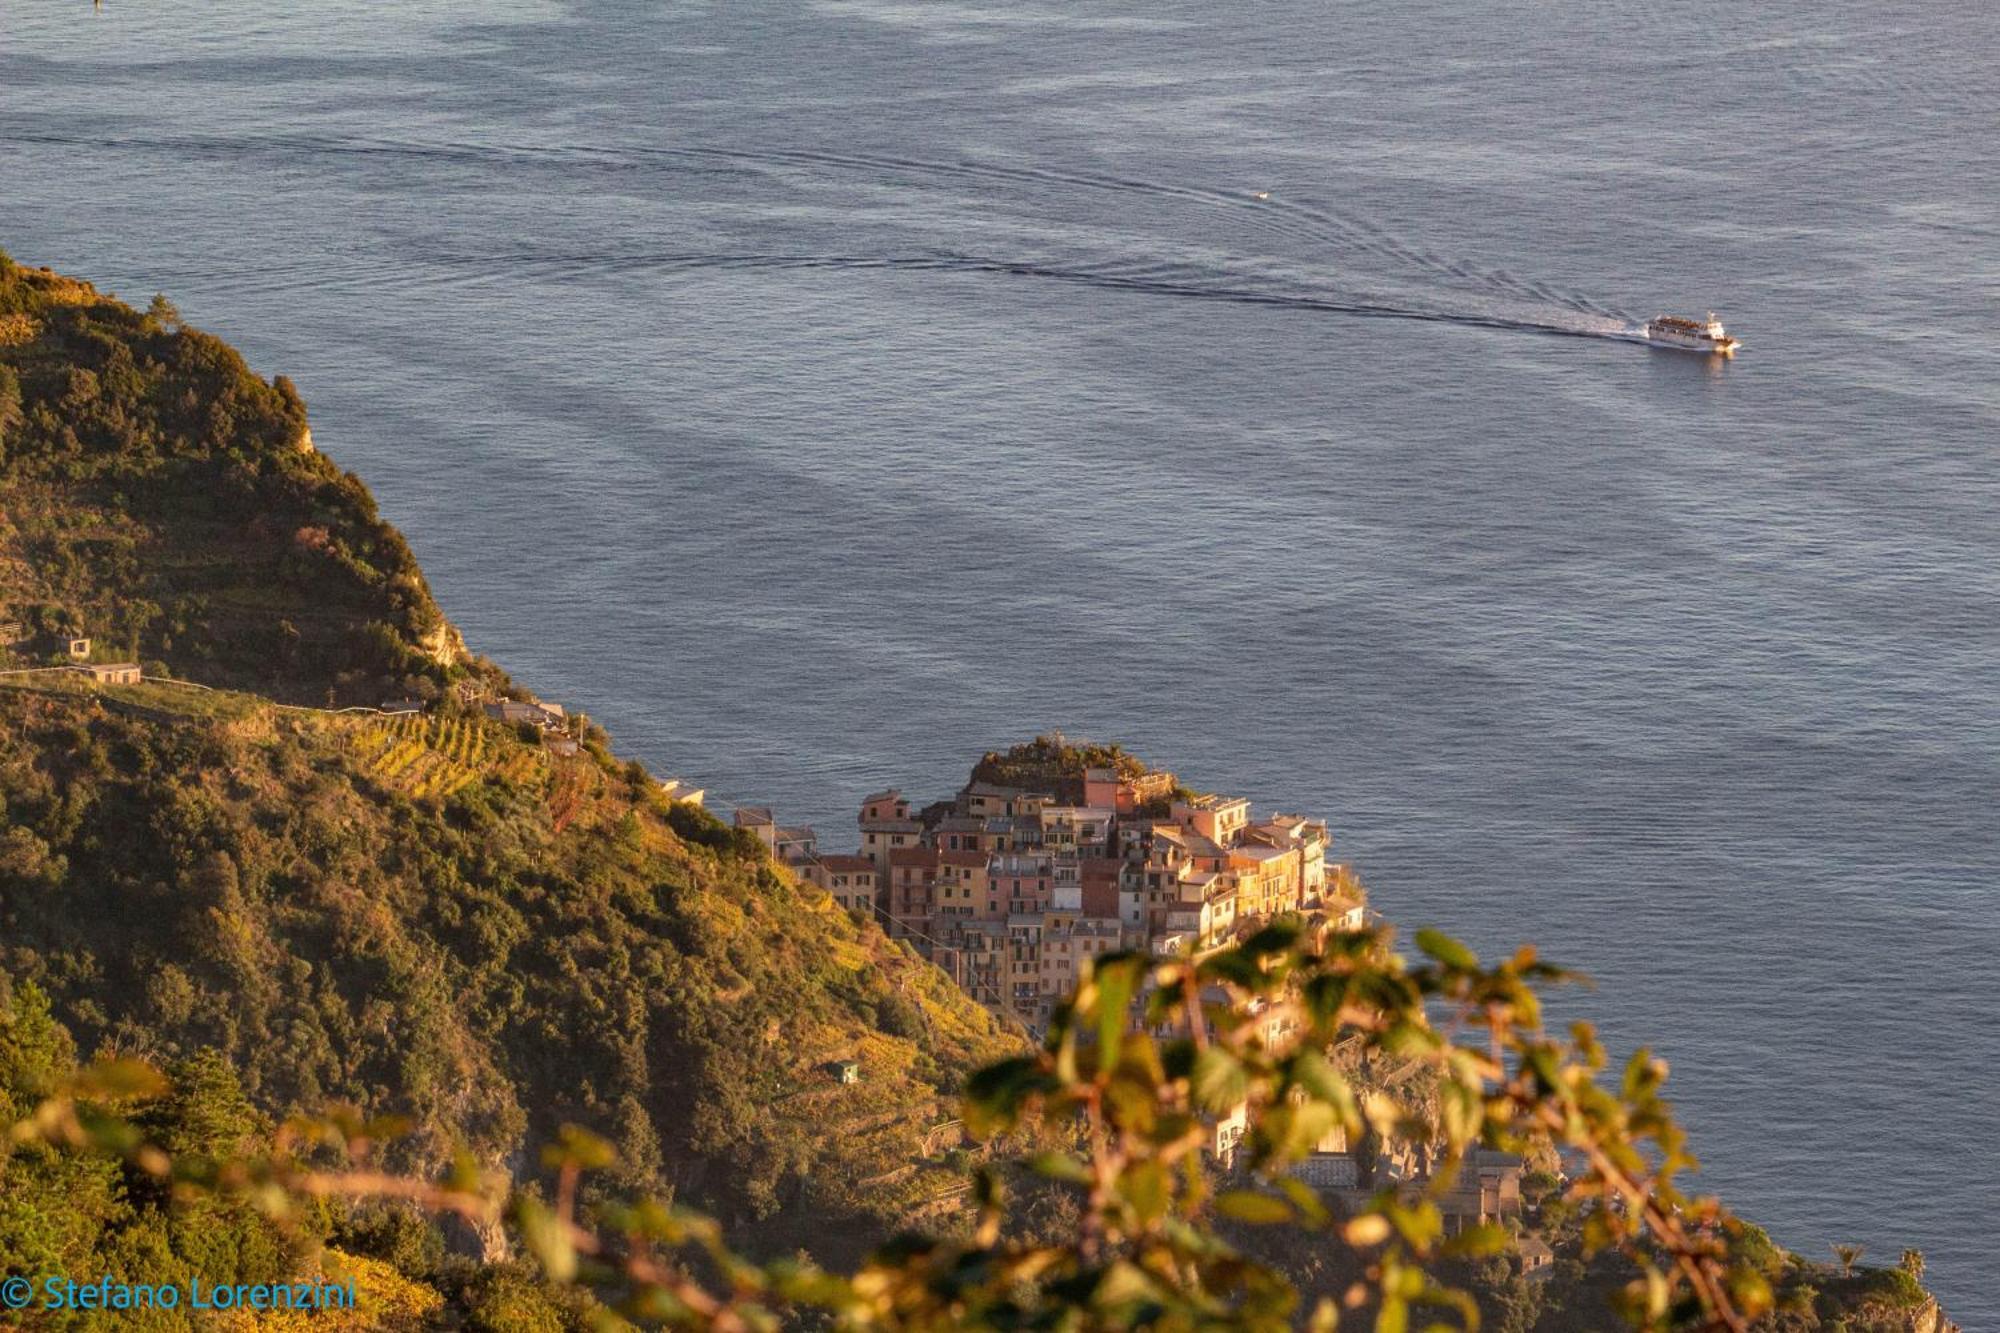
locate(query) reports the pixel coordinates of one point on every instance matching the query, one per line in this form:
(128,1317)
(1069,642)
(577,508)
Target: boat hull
(1705,346)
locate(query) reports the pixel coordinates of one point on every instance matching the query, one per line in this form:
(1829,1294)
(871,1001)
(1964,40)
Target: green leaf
(1311,1210)
(1478,1241)
(1124,1283)
(996,1094)
(1750,1290)
(1059,1166)
(1250,1206)
(120,1080)
(1314,1073)
(547,1238)
(1447,950)
(578,1147)
(1274,938)
(1218,1081)
(1117,977)
(1145,1189)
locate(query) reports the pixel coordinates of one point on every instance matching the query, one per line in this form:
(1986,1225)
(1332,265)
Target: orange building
(912,890)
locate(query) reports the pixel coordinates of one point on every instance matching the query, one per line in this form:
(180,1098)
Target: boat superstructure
(1691,335)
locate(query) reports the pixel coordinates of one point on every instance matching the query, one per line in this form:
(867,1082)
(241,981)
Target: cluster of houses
(1010,890)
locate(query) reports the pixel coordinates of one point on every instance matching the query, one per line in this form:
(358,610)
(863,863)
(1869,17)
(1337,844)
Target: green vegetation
(166,502)
(429,917)
(1128,1223)
(441,756)
(1053,763)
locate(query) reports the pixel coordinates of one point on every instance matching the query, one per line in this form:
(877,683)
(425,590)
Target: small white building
(677,790)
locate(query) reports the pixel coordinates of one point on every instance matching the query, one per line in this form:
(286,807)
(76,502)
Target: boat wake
(1243,285)
(1056,223)
(1167,280)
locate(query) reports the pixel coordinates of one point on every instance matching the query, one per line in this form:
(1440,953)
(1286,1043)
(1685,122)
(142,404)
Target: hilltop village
(1053,854)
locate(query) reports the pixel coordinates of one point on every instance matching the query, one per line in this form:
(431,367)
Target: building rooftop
(892,826)
(1079,812)
(1212,801)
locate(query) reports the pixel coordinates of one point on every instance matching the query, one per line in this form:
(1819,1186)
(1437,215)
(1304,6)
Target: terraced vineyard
(436,756)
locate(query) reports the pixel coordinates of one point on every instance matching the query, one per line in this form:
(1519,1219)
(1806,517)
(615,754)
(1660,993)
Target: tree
(1848,1255)
(1913,1263)
(162,315)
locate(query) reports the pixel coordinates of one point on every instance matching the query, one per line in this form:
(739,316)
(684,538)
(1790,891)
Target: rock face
(444,645)
(1931,1319)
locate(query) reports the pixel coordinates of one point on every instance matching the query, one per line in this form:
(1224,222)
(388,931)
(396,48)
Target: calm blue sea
(822,393)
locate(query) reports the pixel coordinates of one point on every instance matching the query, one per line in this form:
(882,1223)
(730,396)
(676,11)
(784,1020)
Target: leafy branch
(1298,1035)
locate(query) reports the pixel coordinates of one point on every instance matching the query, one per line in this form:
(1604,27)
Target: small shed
(114,673)
(536,714)
(846,1071)
(78,649)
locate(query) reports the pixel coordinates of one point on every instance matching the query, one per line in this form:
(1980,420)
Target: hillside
(440,919)
(167,503)
(434,916)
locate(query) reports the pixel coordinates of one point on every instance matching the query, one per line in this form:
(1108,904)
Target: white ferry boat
(1691,335)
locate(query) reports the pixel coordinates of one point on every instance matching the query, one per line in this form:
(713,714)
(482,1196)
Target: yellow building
(1220,819)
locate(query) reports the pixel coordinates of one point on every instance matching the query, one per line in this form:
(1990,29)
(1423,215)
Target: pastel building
(886,826)
(854,881)
(964,888)
(912,889)
(1124,795)
(1220,819)
(1077,828)
(1026,881)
